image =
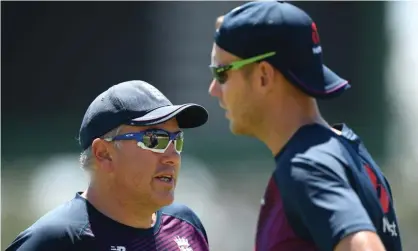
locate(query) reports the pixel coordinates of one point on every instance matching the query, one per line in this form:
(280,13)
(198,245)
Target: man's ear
(267,75)
(102,155)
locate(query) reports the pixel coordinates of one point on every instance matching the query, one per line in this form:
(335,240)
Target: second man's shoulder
(314,146)
(185,214)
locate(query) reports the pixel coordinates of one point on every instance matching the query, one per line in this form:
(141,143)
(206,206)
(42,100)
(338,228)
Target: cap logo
(317,49)
(315,35)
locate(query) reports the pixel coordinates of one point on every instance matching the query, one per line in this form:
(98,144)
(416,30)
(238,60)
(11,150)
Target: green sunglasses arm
(238,64)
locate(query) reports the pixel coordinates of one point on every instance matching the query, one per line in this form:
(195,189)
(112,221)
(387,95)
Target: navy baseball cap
(135,103)
(261,27)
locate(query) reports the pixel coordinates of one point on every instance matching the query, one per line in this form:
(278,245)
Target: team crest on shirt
(183,244)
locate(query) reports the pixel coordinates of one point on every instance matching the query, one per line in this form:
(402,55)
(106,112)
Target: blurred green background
(58,56)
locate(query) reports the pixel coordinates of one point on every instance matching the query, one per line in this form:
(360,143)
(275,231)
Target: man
(326,192)
(132,142)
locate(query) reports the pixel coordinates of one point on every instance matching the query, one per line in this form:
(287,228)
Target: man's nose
(214,89)
(171,157)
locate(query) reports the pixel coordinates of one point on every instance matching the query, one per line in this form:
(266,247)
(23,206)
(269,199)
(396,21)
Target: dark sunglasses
(219,72)
(155,140)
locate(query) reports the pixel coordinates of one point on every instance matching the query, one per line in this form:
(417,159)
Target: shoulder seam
(180,218)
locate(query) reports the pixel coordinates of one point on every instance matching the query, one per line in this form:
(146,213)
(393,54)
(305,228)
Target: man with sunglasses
(326,192)
(131,133)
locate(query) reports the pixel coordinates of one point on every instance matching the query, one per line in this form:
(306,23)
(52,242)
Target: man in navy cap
(326,192)
(131,141)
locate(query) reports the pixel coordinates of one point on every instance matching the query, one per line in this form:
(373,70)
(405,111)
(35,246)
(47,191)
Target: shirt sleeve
(200,226)
(40,239)
(321,203)
(185,213)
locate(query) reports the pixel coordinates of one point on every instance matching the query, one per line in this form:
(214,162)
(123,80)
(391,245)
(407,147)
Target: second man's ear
(105,155)
(100,151)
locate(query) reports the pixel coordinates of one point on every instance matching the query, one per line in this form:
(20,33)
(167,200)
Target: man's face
(236,95)
(135,172)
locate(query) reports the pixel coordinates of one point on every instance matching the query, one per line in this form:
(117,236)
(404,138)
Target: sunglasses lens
(220,75)
(156,140)
(179,142)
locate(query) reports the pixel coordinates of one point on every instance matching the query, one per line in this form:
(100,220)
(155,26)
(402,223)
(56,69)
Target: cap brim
(187,115)
(334,84)
(321,83)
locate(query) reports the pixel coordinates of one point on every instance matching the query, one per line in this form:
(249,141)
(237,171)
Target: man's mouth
(165,178)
